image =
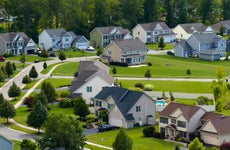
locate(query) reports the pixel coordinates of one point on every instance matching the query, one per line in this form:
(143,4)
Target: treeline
(81,16)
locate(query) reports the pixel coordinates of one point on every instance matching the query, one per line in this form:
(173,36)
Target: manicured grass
(69,53)
(29,58)
(93,147)
(174,86)
(154,46)
(192,102)
(170,66)
(16,144)
(45,71)
(67,69)
(30,85)
(57,82)
(139,142)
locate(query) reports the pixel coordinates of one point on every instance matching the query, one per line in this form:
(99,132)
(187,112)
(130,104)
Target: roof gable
(129,44)
(154,26)
(193,27)
(56,32)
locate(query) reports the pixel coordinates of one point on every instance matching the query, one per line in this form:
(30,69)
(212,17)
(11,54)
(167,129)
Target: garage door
(115,122)
(209,138)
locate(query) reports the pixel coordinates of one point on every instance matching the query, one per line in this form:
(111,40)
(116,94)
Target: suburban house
(151,32)
(216,130)
(130,51)
(126,108)
(102,36)
(225,24)
(92,76)
(58,39)
(206,46)
(184,31)
(6,144)
(16,43)
(178,119)
(228,45)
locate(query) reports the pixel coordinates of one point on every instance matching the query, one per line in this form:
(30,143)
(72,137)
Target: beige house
(92,76)
(102,36)
(130,51)
(178,119)
(126,107)
(151,32)
(184,31)
(216,130)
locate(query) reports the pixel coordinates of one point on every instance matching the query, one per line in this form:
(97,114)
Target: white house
(184,31)
(81,42)
(151,32)
(126,107)
(92,76)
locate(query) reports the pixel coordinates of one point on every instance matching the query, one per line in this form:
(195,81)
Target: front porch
(134,59)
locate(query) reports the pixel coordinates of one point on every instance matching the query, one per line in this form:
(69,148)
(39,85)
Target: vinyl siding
(96,39)
(142,35)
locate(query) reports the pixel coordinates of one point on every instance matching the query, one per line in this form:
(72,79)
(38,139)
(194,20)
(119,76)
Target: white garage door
(210,138)
(115,122)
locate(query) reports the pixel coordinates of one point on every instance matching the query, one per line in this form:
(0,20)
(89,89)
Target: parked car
(104,127)
(90,48)
(2,58)
(37,61)
(170,53)
(52,54)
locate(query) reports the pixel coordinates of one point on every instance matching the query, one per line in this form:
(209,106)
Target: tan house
(102,36)
(130,51)
(126,107)
(178,119)
(92,76)
(216,129)
(225,24)
(151,32)
(184,31)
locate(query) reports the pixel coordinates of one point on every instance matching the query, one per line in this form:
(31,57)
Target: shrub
(148,87)
(139,85)
(225,146)
(26,79)
(148,131)
(149,64)
(28,145)
(65,103)
(65,94)
(119,64)
(29,101)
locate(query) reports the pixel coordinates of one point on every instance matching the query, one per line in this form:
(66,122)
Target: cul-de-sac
(114,75)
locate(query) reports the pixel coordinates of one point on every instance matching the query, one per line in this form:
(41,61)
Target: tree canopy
(80,108)
(7,110)
(33,73)
(122,141)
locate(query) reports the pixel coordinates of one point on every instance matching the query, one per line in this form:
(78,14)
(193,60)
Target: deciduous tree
(7,110)
(80,108)
(61,56)
(148,74)
(9,69)
(49,91)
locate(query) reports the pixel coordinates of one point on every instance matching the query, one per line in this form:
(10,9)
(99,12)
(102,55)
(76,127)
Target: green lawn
(69,53)
(174,86)
(16,144)
(170,66)
(139,142)
(67,69)
(45,71)
(154,46)
(29,58)
(57,82)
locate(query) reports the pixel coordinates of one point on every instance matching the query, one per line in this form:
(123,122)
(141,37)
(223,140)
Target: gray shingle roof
(56,32)
(217,26)
(107,30)
(130,44)
(184,45)
(88,69)
(124,99)
(206,37)
(191,27)
(9,37)
(152,25)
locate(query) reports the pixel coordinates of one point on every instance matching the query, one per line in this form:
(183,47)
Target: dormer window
(66,39)
(53,40)
(173,121)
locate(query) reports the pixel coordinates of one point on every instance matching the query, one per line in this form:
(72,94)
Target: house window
(148,33)
(53,40)
(138,108)
(98,103)
(109,52)
(155,32)
(182,134)
(110,106)
(148,39)
(181,124)
(66,39)
(138,32)
(173,121)
(163,120)
(89,88)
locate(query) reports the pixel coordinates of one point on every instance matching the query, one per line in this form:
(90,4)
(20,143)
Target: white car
(90,48)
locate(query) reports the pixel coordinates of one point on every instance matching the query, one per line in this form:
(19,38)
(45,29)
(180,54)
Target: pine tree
(114,71)
(23,59)
(7,110)
(26,79)
(161,43)
(49,91)
(44,65)
(33,73)
(122,141)
(9,69)
(80,108)
(62,56)
(148,74)
(1,98)
(14,66)
(2,76)
(37,116)
(14,90)
(195,145)
(41,97)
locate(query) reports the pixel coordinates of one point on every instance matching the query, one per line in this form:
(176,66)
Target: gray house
(16,43)
(57,39)
(225,24)
(5,144)
(126,107)
(206,46)
(228,45)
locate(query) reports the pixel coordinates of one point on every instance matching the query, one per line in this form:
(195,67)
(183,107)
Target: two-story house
(225,24)
(130,51)
(178,119)
(184,31)
(58,39)
(206,46)
(102,36)
(126,107)
(92,76)
(16,43)
(151,32)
